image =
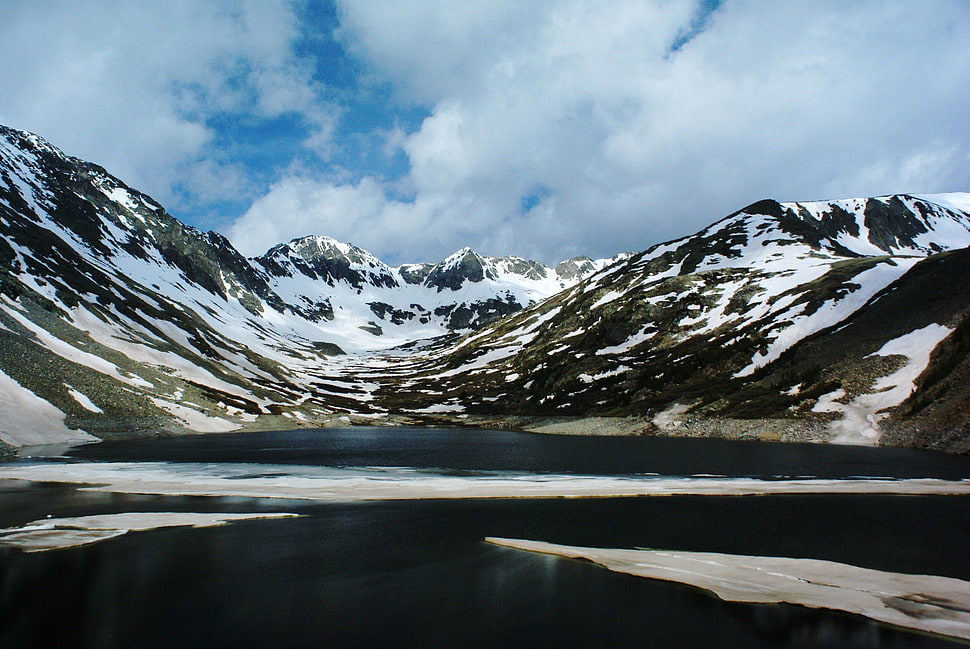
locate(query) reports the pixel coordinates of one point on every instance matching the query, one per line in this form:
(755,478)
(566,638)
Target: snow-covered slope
(700,320)
(115,316)
(842,320)
(327,281)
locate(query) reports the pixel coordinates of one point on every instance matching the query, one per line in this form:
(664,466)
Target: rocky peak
(575,268)
(455,270)
(324,258)
(414,273)
(898,224)
(522,267)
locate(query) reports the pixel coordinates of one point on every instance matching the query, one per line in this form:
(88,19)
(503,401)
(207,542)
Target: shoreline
(692,426)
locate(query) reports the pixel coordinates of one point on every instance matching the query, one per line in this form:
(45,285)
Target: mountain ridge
(694,323)
(116,319)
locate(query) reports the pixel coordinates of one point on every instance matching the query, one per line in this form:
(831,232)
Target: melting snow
(29,420)
(860,417)
(83,400)
(924,602)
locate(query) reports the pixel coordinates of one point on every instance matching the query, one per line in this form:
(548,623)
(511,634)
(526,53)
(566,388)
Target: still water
(417,574)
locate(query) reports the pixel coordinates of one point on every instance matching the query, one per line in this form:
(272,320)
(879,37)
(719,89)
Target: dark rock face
(892,225)
(386,311)
(473,316)
(415,273)
(574,268)
(469,268)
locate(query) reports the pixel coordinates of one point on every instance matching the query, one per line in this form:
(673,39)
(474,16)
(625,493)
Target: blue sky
(543,129)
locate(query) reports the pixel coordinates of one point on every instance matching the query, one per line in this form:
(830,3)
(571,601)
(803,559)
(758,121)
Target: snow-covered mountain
(115,316)
(801,320)
(327,280)
(839,320)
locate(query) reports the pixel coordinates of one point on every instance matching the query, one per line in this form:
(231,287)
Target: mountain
(414,301)
(838,320)
(825,321)
(115,317)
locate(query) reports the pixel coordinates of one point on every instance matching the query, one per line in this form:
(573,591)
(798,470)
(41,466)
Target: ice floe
(927,603)
(62,533)
(403,483)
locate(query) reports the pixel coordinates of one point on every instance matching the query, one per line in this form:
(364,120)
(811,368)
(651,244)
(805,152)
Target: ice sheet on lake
(345,485)
(923,602)
(62,533)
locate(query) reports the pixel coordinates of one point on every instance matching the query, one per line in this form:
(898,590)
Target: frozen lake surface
(417,572)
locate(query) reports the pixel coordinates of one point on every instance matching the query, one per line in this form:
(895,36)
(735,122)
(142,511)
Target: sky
(542,129)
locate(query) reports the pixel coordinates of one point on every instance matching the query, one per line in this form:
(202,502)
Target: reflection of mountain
(116,318)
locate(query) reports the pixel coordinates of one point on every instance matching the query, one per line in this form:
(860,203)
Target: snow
(957,201)
(83,400)
(62,348)
(29,420)
(668,419)
(607,298)
(121,196)
(871,281)
(616,371)
(63,533)
(646,333)
(860,417)
(195,420)
(329,484)
(923,602)
(439,407)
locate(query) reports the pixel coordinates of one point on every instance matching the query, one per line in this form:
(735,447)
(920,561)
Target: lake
(410,573)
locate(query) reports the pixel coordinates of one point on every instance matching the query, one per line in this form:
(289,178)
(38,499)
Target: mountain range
(836,320)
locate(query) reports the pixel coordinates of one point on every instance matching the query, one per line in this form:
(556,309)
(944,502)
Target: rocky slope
(795,320)
(326,280)
(842,320)
(116,317)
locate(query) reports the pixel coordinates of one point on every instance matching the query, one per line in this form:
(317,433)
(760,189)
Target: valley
(843,320)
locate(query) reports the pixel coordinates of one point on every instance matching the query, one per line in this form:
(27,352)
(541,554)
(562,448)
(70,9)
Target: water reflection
(418,574)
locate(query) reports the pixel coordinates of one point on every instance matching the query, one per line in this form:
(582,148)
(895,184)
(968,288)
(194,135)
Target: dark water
(472,450)
(417,574)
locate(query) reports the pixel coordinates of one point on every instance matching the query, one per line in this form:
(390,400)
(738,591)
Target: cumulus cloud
(550,127)
(132,85)
(566,126)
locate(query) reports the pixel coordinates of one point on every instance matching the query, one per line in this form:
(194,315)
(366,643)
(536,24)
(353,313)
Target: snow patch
(195,420)
(860,417)
(83,400)
(29,420)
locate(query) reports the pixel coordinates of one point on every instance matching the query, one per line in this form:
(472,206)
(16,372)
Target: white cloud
(131,85)
(298,206)
(555,127)
(583,108)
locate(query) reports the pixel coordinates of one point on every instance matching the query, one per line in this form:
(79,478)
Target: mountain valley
(841,320)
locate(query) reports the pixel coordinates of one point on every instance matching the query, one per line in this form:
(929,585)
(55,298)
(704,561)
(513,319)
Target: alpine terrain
(837,320)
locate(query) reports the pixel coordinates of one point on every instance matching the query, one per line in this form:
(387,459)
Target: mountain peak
(322,257)
(316,246)
(114,311)
(464,265)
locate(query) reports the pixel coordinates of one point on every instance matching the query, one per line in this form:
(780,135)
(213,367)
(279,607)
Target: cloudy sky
(543,129)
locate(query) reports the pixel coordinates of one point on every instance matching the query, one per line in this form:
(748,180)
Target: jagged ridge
(842,319)
(710,322)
